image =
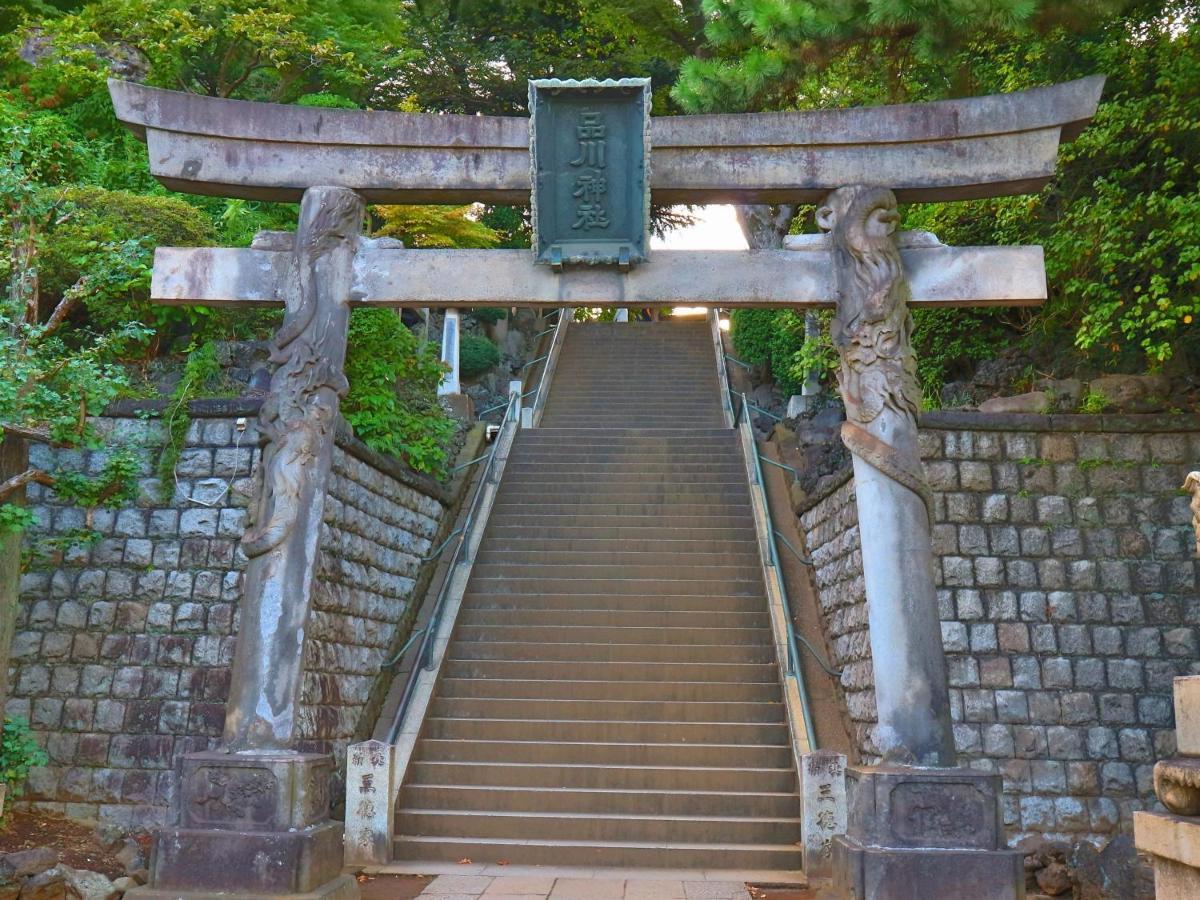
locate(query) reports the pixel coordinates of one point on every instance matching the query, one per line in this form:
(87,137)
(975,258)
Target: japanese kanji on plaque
(590,145)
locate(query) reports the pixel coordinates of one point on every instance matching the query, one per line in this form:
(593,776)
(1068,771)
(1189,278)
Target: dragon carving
(300,409)
(872,329)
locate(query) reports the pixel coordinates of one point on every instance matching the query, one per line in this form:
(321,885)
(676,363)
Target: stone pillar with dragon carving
(253,815)
(917,826)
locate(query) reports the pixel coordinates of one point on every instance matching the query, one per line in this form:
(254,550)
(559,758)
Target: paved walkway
(505,887)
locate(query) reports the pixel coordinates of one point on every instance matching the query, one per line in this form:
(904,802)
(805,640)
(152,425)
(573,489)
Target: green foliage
(19,753)
(949,342)
(201,373)
(490,315)
(476,355)
(1093,402)
(392,404)
(435,226)
(14,518)
(776,338)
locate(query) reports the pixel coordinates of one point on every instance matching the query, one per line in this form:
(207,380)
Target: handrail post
(450,347)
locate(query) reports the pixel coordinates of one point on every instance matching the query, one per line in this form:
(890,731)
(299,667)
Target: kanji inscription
(590,147)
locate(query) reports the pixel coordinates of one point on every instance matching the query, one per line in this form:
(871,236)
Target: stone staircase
(610,696)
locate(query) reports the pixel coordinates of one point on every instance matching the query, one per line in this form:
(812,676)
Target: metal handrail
(424,660)
(508,423)
(792,669)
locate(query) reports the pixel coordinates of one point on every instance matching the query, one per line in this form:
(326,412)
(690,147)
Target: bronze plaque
(590,149)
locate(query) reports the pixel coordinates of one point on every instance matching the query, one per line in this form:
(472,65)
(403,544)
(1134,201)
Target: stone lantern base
(251,825)
(1173,843)
(937,834)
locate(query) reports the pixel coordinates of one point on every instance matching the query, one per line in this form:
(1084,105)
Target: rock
(32,862)
(10,891)
(799,497)
(1032,402)
(783,435)
(141,876)
(130,854)
(47,885)
(125,883)
(958,394)
(831,417)
(1065,393)
(764,396)
(1133,393)
(87,885)
(8,872)
(1112,874)
(797,405)
(110,837)
(1054,879)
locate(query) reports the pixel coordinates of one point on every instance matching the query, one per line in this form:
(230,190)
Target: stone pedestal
(1173,843)
(937,834)
(251,825)
(1172,839)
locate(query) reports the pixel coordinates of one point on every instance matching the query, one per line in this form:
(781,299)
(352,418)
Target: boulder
(32,862)
(1054,879)
(130,854)
(1032,402)
(799,497)
(125,883)
(764,396)
(1065,393)
(47,885)
(110,837)
(86,885)
(1133,393)
(1111,874)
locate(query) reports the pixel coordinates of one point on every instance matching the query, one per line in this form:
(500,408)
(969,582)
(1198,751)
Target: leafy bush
(776,338)
(476,355)
(19,753)
(392,404)
(489,314)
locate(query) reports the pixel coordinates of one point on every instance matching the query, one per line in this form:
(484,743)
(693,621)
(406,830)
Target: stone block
(255,792)
(1187,715)
(370,810)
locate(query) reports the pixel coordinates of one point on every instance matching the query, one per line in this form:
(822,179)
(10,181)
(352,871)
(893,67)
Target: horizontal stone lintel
(938,275)
(946,150)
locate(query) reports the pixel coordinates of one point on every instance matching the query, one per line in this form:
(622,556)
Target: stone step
(637,777)
(568,689)
(623,653)
(593,827)
(607,670)
(717,549)
(602,801)
(557,852)
(666,587)
(614,634)
(603,506)
(474,616)
(735,529)
(480,599)
(564,711)
(621,753)
(735,576)
(444,727)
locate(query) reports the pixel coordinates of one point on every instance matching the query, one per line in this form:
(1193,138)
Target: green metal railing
(427,633)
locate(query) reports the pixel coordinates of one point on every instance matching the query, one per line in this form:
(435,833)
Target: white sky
(716,228)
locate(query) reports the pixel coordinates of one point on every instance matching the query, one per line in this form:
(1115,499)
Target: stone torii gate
(253,815)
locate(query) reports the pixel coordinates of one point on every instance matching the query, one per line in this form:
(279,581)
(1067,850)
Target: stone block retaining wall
(122,649)
(1068,597)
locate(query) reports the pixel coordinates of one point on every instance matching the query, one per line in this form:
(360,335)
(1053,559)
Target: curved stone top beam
(946,150)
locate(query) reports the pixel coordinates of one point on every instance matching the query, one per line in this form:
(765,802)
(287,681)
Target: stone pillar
(916,827)
(823,808)
(370,811)
(1172,839)
(253,817)
(451,337)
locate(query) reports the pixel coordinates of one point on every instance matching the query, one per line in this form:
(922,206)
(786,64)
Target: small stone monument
(370,810)
(823,814)
(1172,839)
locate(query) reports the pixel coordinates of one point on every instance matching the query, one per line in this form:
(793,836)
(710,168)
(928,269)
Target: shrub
(490,315)
(19,752)
(476,355)
(392,404)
